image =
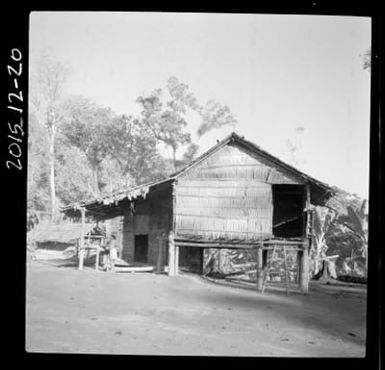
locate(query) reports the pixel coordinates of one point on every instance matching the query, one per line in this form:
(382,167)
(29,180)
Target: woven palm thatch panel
(231,162)
(223,210)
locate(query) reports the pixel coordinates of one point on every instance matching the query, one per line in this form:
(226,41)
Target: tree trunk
(95,173)
(327,272)
(52,170)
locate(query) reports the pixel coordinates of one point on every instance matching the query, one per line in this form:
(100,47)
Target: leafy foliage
(215,115)
(166,118)
(135,150)
(87,127)
(74,175)
(38,169)
(323,220)
(48,78)
(91,150)
(344,235)
(166,125)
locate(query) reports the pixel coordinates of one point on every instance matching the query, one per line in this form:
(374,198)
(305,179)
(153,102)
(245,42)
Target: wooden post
(88,246)
(299,266)
(176,260)
(160,252)
(303,256)
(286,270)
(81,249)
(172,251)
(308,212)
(259,269)
(304,270)
(171,254)
(264,258)
(97,257)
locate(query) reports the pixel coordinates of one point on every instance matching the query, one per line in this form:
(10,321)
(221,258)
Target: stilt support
(303,270)
(259,269)
(173,256)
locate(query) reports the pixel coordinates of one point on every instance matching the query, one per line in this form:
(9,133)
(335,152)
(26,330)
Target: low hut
(60,237)
(235,195)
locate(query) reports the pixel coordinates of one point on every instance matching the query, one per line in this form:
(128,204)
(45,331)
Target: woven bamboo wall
(152,217)
(232,162)
(227,196)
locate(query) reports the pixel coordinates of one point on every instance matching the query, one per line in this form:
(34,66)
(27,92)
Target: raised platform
(265,243)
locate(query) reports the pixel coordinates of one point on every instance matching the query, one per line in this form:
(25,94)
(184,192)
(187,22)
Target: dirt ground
(72,311)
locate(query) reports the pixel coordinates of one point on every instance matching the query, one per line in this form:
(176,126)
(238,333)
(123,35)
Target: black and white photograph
(197,184)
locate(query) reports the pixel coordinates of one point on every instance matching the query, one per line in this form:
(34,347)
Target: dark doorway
(141,248)
(288,214)
(191,259)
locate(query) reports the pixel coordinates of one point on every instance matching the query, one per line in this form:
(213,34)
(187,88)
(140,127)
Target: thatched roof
(320,192)
(101,205)
(319,189)
(59,233)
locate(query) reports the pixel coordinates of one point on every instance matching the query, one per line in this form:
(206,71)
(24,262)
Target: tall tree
(190,153)
(134,148)
(214,115)
(166,124)
(74,173)
(48,79)
(38,169)
(166,117)
(87,127)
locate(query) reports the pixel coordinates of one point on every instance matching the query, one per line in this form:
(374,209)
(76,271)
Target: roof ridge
(232,137)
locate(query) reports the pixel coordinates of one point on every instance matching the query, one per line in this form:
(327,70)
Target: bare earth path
(97,312)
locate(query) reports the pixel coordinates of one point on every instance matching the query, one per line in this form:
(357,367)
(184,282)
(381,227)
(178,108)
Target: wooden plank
(214,245)
(244,243)
(134,269)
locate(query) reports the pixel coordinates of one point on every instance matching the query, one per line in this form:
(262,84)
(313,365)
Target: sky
(277,73)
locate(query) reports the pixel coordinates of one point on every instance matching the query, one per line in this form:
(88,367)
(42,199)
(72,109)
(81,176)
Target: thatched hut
(235,195)
(59,236)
